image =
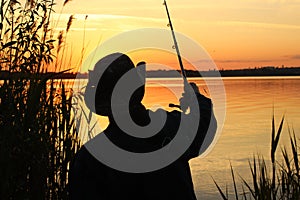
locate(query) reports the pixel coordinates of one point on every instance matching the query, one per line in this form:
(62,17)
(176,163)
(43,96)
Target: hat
(102,80)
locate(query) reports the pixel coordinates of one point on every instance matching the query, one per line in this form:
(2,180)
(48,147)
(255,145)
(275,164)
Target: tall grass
(38,138)
(281,180)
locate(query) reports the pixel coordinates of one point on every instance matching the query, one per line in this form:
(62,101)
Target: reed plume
(66,1)
(70,21)
(30,3)
(12,3)
(60,38)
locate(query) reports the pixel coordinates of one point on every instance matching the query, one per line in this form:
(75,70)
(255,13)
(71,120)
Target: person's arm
(207,121)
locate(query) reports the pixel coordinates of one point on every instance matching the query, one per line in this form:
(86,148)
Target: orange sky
(236,34)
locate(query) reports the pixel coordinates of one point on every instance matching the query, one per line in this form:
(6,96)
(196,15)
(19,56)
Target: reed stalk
(38,137)
(284,182)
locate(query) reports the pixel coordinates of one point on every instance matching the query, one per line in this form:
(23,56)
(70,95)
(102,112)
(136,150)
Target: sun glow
(236,34)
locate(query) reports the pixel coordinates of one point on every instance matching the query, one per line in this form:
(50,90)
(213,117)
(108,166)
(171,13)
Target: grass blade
(220,191)
(278,134)
(234,183)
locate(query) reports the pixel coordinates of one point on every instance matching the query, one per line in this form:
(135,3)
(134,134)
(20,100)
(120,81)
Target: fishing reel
(189,88)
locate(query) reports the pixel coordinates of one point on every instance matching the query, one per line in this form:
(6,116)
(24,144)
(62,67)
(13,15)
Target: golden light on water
(251,102)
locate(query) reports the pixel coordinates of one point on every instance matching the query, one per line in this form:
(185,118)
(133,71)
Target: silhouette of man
(91,179)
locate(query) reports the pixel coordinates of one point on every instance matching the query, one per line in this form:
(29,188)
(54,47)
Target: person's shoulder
(204,102)
(172,117)
(202,97)
(161,112)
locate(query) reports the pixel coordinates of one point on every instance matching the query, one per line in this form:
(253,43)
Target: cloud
(284,1)
(238,60)
(103,17)
(294,57)
(252,60)
(244,60)
(259,25)
(76,29)
(106,22)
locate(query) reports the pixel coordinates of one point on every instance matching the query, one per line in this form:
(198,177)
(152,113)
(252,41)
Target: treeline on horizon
(263,71)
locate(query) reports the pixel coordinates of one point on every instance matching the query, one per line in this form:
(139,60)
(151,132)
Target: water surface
(250,104)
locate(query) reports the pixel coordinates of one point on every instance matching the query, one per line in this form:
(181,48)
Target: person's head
(102,80)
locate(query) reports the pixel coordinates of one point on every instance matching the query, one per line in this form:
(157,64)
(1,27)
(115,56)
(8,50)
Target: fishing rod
(185,82)
(176,46)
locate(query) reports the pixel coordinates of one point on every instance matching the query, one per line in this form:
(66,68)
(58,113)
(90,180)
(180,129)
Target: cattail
(66,1)
(13,2)
(30,3)
(69,22)
(60,40)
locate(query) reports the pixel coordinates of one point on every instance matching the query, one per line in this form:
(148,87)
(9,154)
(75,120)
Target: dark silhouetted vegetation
(278,180)
(38,138)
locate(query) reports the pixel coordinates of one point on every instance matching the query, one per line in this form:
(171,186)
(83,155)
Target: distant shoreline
(263,71)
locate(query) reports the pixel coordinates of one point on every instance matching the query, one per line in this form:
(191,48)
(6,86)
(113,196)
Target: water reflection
(250,104)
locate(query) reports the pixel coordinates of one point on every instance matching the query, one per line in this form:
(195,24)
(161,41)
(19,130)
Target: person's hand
(194,87)
(185,100)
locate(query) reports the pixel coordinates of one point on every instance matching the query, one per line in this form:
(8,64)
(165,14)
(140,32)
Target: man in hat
(91,179)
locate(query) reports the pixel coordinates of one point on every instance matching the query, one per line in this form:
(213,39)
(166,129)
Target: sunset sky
(236,34)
